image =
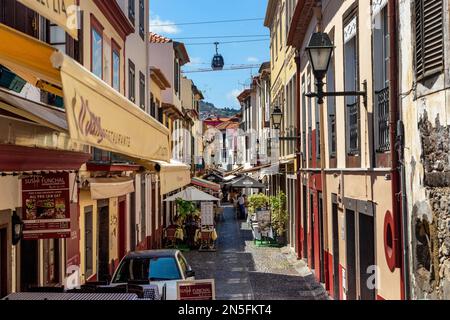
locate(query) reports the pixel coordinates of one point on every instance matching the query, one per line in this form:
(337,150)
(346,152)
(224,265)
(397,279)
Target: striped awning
(205,184)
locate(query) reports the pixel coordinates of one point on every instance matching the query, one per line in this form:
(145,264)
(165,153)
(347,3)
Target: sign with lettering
(46,206)
(207,213)
(99,116)
(196,290)
(64,13)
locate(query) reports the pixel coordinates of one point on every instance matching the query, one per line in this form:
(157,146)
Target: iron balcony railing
(384,143)
(353,128)
(333,135)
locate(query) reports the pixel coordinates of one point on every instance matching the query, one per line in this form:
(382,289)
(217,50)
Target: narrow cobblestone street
(243,271)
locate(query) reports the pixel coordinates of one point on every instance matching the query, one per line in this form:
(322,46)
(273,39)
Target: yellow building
(349,223)
(282,94)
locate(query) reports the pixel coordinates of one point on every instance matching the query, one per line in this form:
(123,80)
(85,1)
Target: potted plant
(185,209)
(258,202)
(279,216)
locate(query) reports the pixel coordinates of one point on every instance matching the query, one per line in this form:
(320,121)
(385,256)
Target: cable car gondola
(217,61)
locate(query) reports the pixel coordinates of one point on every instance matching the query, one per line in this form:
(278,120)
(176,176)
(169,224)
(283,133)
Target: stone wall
(431,223)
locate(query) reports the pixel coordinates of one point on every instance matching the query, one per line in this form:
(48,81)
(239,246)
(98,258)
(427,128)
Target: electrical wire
(204,22)
(224,69)
(225,42)
(219,37)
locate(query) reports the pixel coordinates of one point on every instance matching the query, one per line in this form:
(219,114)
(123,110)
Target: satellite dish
(217,61)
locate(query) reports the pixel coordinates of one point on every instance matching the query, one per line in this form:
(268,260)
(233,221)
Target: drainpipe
(399,209)
(298,155)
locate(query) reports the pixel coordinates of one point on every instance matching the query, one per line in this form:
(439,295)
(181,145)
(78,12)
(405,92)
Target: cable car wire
(224,42)
(204,22)
(219,37)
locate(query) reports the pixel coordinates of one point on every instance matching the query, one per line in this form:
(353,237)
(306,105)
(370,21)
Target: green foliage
(185,208)
(279,213)
(258,201)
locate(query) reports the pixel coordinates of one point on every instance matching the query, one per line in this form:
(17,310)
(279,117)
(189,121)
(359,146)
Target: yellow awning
(105,188)
(173,176)
(97,115)
(27,56)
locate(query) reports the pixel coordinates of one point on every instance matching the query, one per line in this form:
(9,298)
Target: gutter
(398,187)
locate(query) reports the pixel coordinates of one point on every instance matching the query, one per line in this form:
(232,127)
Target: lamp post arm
(320,94)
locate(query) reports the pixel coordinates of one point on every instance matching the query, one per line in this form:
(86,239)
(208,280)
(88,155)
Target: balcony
(382,97)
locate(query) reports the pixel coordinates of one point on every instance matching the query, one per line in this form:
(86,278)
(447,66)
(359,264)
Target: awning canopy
(213,177)
(247,182)
(173,175)
(104,188)
(97,115)
(37,112)
(192,194)
(205,184)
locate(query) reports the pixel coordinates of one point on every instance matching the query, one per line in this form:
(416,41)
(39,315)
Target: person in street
(241,201)
(246,204)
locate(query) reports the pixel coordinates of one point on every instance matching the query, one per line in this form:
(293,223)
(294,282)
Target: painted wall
(89,8)
(426,116)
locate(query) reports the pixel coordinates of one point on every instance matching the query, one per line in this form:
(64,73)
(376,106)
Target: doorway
(305,223)
(3,263)
(366,256)
(351,254)
(321,240)
(103,272)
(28,264)
(132,221)
(311,229)
(336,284)
(122,238)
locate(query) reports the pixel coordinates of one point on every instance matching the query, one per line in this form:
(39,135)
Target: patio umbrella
(192,194)
(247,182)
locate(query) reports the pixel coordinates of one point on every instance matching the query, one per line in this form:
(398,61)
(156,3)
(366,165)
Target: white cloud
(158,25)
(252,59)
(195,61)
(233,94)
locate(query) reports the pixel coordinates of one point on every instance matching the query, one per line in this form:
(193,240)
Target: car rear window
(143,269)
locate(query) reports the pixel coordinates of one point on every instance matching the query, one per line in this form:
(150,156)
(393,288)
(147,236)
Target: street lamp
(17,228)
(277,117)
(320,49)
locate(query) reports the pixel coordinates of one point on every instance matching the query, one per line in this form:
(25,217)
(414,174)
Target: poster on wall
(46,206)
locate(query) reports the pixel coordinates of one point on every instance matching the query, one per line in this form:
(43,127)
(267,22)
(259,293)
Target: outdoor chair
(171,237)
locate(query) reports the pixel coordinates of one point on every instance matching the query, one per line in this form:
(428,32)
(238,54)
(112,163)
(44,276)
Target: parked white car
(163,268)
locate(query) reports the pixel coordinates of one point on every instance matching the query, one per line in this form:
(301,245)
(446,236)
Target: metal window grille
(383,120)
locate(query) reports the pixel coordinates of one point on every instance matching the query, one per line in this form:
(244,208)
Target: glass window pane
(116,71)
(97,48)
(57,35)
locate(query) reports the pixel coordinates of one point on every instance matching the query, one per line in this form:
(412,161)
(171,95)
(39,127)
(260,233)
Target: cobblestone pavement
(243,271)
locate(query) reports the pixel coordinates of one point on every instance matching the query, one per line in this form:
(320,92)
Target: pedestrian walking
(241,201)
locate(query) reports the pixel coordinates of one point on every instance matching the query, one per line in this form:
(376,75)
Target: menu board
(196,290)
(46,206)
(207,213)
(263,218)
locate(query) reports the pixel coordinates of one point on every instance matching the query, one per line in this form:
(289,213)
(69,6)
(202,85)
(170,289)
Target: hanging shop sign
(46,206)
(64,13)
(196,290)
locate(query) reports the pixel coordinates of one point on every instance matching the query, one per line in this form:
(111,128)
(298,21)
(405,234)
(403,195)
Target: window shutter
(429,53)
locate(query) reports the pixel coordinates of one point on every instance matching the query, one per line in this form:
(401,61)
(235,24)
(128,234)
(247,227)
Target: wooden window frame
(131,84)
(142,87)
(115,48)
(97,27)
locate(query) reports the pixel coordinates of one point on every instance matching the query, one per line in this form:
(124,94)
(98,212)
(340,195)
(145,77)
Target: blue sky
(220,88)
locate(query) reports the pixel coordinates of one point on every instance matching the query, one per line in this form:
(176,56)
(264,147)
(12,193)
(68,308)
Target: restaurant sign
(46,206)
(99,116)
(196,290)
(61,12)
